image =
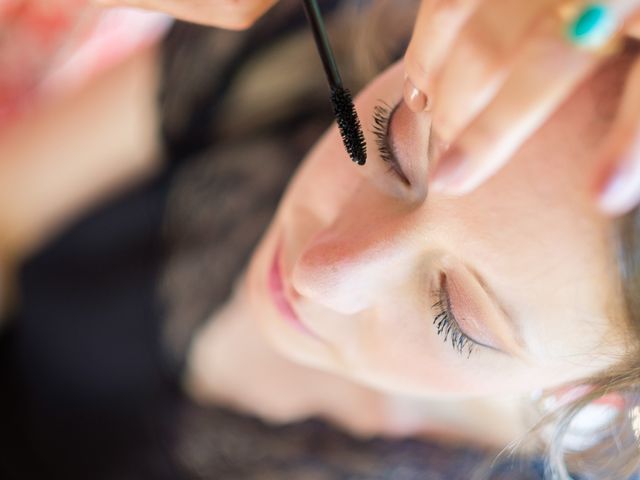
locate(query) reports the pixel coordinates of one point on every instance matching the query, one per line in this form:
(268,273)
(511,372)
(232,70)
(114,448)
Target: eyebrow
(515,326)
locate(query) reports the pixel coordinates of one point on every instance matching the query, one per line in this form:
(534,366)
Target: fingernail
(621,191)
(450,172)
(416,100)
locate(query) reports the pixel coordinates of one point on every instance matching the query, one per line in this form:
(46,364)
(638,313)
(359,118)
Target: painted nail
(621,191)
(450,172)
(415,99)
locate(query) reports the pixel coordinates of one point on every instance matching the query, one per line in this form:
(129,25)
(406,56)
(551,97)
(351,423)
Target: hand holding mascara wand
(343,108)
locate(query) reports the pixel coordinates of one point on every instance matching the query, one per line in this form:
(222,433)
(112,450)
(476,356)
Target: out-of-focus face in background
(368,275)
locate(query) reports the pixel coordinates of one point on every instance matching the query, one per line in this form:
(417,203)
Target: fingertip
(416,100)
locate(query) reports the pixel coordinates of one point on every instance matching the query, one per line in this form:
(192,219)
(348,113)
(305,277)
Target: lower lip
(276,288)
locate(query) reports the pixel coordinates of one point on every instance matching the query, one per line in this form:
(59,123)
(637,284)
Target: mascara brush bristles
(349,125)
(343,108)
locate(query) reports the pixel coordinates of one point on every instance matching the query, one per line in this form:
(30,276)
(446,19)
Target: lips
(277,290)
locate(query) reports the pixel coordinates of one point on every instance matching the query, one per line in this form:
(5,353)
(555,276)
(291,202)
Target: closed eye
(382,117)
(448,327)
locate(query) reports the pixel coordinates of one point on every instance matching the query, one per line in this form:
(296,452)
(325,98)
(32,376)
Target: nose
(350,265)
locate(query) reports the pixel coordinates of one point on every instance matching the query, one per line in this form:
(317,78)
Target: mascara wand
(343,108)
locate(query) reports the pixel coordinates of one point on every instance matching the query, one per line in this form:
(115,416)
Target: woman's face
(392,285)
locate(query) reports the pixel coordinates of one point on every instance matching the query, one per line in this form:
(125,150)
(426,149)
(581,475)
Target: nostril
(294,294)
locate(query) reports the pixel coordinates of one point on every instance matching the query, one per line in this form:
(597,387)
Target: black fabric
(85,386)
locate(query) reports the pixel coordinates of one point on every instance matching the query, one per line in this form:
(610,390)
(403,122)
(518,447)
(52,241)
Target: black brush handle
(322,42)
(343,108)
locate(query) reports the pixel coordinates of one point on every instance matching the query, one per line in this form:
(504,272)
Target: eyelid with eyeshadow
(447,326)
(465,331)
(474,311)
(382,118)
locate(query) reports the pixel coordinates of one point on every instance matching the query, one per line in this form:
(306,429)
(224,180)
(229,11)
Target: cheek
(315,197)
(325,180)
(406,363)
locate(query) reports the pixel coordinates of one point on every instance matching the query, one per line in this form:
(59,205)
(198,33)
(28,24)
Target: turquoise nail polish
(593,27)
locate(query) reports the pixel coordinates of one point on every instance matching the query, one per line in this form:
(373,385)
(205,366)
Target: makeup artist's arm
(231,14)
(495,70)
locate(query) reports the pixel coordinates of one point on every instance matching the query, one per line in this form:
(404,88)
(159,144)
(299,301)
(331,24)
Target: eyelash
(447,325)
(381,118)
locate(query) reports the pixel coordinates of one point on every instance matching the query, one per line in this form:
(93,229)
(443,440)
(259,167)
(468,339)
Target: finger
(617,183)
(633,27)
(437,26)
(546,72)
(230,14)
(480,60)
